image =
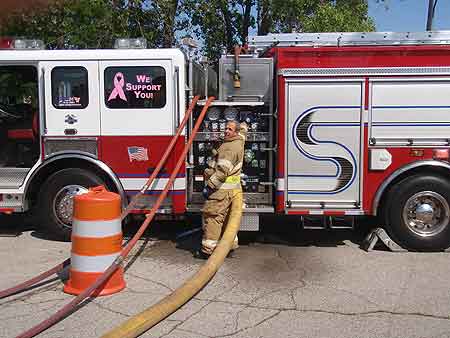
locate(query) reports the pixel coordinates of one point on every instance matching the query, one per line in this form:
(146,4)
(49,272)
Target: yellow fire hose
(145,320)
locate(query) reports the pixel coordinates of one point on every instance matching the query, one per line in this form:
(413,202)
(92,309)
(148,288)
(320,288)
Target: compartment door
(71,98)
(324,143)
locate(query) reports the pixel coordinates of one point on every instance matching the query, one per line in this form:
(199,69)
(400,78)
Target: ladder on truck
(262,42)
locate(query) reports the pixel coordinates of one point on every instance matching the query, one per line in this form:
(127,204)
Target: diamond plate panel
(249,222)
(257,198)
(13,201)
(146,202)
(53,146)
(12,177)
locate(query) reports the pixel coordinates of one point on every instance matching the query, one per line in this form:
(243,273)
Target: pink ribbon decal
(119,83)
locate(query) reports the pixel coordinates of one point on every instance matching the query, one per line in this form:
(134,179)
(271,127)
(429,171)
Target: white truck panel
(417,110)
(324,141)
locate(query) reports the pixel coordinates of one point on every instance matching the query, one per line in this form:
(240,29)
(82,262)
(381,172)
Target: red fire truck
(341,125)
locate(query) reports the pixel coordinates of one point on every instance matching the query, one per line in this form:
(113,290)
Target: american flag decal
(137,153)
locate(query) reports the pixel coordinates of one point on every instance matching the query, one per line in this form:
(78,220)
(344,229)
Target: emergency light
(21,44)
(28,44)
(139,43)
(5,43)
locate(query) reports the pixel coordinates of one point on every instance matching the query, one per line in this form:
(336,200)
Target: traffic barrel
(96,242)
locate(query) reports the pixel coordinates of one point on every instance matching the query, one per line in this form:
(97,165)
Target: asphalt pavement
(281,283)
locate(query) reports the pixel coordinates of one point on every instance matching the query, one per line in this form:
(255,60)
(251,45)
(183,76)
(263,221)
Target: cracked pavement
(309,286)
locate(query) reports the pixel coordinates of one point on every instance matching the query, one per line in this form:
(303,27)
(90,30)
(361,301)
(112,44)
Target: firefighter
(221,177)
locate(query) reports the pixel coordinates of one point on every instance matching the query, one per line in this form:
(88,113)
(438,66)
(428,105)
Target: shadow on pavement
(289,232)
(187,234)
(15,224)
(282,231)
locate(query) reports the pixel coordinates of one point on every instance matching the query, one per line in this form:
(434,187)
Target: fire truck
(341,125)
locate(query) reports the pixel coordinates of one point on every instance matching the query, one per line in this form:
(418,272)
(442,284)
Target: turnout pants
(215,218)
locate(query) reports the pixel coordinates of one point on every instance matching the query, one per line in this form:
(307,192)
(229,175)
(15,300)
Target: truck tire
(417,213)
(55,201)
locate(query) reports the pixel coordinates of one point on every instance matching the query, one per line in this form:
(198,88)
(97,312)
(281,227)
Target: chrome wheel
(63,203)
(426,213)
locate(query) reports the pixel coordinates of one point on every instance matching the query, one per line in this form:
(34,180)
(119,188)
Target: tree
(93,23)
(214,22)
(343,16)
(220,24)
(264,16)
(245,19)
(431,9)
(285,16)
(168,12)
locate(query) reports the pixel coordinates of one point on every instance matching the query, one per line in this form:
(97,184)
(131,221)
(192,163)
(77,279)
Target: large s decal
(318,140)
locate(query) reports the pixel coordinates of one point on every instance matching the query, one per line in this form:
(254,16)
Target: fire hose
(58,268)
(145,320)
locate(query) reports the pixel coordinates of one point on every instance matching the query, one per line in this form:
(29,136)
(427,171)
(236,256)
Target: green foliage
(215,23)
(89,23)
(320,16)
(290,15)
(350,16)
(221,24)
(285,16)
(218,24)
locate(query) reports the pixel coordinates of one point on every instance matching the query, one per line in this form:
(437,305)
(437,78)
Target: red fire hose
(68,308)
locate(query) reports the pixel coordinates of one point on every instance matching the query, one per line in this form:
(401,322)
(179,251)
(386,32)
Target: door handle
(70,131)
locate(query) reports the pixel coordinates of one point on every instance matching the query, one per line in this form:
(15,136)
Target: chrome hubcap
(426,213)
(63,203)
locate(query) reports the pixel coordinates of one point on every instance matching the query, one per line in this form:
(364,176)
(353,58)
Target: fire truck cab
(71,119)
(341,125)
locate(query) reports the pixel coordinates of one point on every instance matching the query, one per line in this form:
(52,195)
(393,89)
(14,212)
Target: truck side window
(135,87)
(70,88)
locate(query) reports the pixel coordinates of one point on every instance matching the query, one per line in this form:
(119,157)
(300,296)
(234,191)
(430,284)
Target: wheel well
(443,172)
(66,163)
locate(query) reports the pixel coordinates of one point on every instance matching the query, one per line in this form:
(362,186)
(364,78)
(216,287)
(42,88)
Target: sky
(408,15)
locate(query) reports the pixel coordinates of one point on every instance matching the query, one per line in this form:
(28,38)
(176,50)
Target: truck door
(138,97)
(71,98)
(138,117)
(324,143)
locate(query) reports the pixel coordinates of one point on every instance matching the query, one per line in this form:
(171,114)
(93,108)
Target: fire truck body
(341,125)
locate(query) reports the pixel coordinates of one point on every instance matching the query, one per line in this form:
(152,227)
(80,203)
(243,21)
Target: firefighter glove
(207,191)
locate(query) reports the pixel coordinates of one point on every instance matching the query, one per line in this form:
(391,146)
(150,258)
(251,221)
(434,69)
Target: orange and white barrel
(96,242)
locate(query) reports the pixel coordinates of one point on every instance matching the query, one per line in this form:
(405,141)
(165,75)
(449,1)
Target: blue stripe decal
(121,175)
(403,124)
(156,192)
(412,124)
(315,176)
(335,124)
(409,107)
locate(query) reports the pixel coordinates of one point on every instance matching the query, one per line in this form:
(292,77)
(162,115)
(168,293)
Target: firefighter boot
(199,254)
